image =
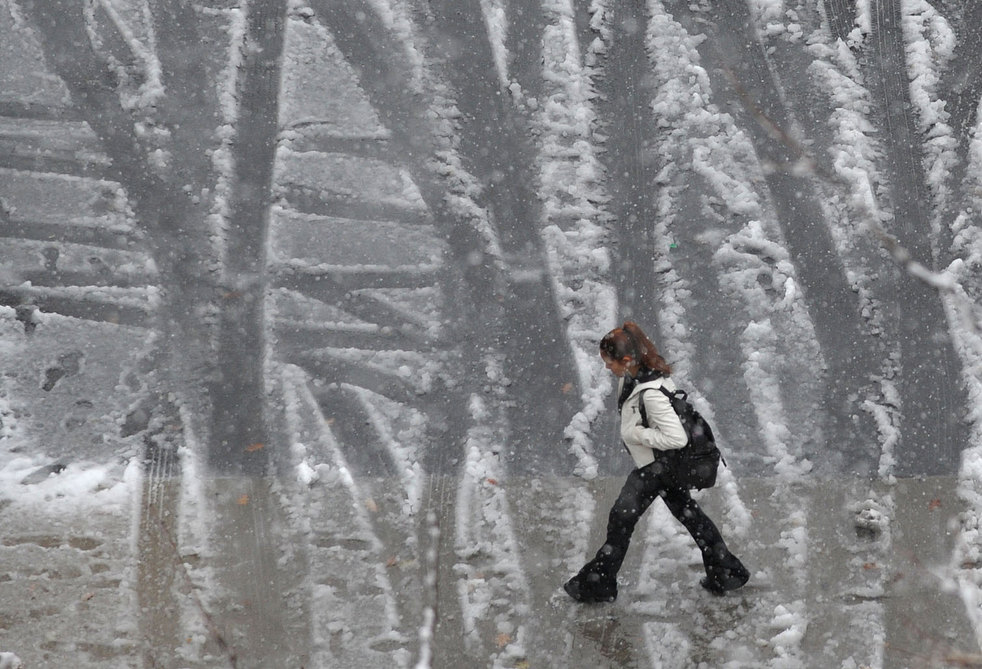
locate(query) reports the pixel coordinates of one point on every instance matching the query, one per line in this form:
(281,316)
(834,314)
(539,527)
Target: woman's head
(628,345)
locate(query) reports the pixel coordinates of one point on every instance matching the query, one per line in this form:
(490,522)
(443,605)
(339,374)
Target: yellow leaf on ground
(243,500)
(502,640)
(252,448)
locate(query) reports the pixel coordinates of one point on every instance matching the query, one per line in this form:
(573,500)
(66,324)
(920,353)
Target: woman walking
(630,355)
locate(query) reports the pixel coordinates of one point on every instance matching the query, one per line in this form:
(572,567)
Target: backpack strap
(644,412)
(670,394)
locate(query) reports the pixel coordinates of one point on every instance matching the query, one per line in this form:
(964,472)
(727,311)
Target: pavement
(836,585)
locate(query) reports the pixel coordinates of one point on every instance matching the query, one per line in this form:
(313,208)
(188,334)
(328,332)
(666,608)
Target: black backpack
(694,466)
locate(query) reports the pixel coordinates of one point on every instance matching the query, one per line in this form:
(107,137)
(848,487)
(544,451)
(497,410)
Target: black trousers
(642,487)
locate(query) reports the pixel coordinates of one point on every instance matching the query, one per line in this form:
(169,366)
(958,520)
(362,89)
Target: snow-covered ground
(459,199)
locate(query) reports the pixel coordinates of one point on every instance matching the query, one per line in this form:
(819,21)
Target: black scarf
(630,382)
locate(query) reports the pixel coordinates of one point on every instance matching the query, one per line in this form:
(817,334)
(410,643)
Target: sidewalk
(846,577)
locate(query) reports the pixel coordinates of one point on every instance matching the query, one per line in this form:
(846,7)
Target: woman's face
(618,367)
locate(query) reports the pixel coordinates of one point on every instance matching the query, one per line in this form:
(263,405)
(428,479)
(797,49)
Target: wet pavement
(858,590)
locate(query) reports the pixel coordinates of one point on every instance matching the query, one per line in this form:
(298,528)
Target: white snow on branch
(575,221)
(496,22)
(930,46)
(492,586)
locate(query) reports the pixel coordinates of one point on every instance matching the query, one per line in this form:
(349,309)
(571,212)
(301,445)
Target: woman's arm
(664,431)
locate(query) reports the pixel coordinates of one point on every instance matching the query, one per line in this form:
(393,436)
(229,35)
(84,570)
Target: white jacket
(664,431)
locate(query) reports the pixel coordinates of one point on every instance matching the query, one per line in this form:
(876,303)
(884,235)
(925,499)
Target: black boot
(724,573)
(592,585)
(597,581)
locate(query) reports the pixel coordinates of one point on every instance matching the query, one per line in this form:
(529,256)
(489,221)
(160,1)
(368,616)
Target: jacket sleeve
(664,431)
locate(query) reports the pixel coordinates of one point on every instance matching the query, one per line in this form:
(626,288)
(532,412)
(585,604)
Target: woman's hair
(630,340)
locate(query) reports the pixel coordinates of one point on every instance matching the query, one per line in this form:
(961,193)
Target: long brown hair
(630,340)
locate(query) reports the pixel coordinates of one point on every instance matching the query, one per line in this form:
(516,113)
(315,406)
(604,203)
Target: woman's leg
(597,580)
(723,570)
(639,491)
